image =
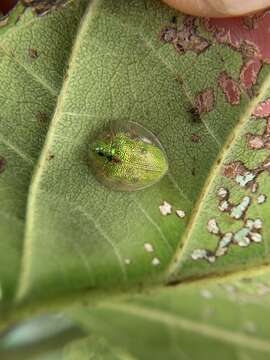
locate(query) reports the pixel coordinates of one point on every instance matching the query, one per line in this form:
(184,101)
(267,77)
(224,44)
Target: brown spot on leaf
(3,163)
(205,101)
(233,169)
(249,73)
(195,138)
(257,142)
(33,53)
(186,38)
(195,115)
(42,7)
(50,156)
(230,88)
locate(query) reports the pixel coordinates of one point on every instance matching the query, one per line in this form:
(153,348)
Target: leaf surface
(202,321)
(81,235)
(31,71)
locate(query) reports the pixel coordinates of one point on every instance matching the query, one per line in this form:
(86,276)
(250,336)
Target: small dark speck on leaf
(50,156)
(195,138)
(3,163)
(174,20)
(195,115)
(42,118)
(33,53)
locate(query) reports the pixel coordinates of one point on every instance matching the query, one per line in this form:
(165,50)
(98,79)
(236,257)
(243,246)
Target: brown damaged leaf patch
(248,35)
(33,53)
(205,101)
(257,142)
(263,109)
(186,38)
(230,88)
(245,177)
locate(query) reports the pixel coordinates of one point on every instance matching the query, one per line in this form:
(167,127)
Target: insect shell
(127,157)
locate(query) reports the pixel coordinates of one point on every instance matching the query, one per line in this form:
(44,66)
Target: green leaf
(31,71)
(198,322)
(137,61)
(93,348)
(81,235)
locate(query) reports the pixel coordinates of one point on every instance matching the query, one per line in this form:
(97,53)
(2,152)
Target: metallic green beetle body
(129,158)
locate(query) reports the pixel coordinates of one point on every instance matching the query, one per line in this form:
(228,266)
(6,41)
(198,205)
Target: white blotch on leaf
(205,293)
(148,247)
(224,206)
(261,199)
(212,226)
(222,193)
(155,262)
(180,213)
(199,254)
(238,211)
(165,208)
(243,180)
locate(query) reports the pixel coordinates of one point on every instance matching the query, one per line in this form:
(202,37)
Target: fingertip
(218,8)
